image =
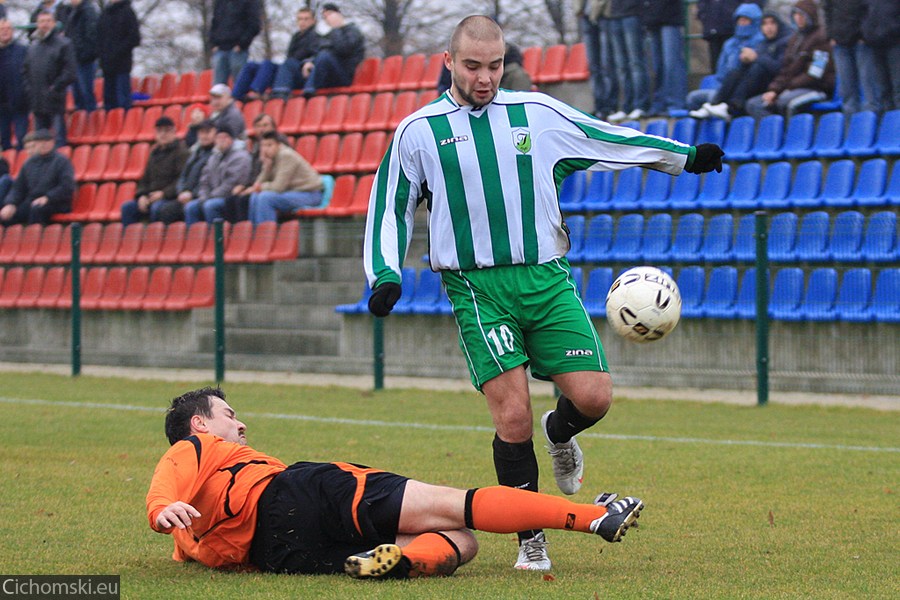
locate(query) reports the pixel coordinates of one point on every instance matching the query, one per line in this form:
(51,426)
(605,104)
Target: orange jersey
(223,481)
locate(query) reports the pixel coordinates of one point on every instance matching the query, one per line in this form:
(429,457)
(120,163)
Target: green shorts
(527,315)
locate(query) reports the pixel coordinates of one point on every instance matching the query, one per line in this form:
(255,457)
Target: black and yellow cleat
(385,561)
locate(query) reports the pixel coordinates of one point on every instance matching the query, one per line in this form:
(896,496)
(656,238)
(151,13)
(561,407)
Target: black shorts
(312,516)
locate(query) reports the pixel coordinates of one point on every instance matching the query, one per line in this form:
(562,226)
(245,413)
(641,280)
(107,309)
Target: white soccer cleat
(533,554)
(619,517)
(568,461)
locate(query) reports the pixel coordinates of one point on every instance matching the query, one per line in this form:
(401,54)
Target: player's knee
(466,543)
(595,400)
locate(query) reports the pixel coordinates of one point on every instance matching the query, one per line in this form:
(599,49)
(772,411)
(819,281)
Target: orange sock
(500,509)
(431,554)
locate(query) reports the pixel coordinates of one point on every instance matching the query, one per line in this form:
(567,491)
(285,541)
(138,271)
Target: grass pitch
(775,502)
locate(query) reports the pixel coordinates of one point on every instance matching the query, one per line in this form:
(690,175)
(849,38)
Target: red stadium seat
(239,242)
(112,126)
(551,65)
(108,247)
(275,109)
(173,242)
(340,197)
(81,205)
(47,248)
(151,244)
(204,82)
(12,286)
(373,149)
(131,126)
(185,88)
(137,162)
(531,61)
(31,239)
(92,128)
(357,113)
(203,292)
(333,120)
(124,192)
(9,245)
(576,67)
(104,202)
(113,288)
(96,163)
(365,76)
(287,242)
(292,115)
(14,168)
(79,159)
(92,288)
(91,236)
(54,281)
(75,126)
(326,153)
(176,113)
(359,202)
(348,155)
(31,288)
(157,289)
(147,131)
(251,110)
(135,289)
(389,76)
(132,238)
(313,114)
(180,291)
(194,242)
(209,249)
(166,90)
(117,161)
(432,72)
(404,104)
(382,105)
(411,75)
(263,240)
(306,146)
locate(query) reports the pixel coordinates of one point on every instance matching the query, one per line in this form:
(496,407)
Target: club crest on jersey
(453,140)
(522,140)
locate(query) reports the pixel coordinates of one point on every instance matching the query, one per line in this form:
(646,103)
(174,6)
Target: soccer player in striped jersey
(488,164)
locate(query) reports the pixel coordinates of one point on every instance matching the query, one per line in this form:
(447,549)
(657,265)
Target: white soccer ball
(643,304)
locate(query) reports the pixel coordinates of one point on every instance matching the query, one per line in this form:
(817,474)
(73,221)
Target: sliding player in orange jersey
(228,505)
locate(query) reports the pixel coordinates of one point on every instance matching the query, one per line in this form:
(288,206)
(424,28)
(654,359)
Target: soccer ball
(643,304)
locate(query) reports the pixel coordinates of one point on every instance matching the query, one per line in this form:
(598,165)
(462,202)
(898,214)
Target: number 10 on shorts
(504,341)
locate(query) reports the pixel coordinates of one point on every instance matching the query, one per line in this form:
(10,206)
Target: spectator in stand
(81,28)
(341,51)
(59,9)
(758,67)
(6,180)
(664,23)
(228,167)
(197,114)
(164,165)
(590,15)
(119,34)
(881,31)
(854,60)
(718,24)
(747,34)
(807,71)
(49,69)
(287,182)
(627,41)
(44,186)
(225,113)
(234,25)
(188,184)
(13,101)
(255,78)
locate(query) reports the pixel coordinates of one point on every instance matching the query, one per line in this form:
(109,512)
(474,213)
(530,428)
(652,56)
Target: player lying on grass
(228,505)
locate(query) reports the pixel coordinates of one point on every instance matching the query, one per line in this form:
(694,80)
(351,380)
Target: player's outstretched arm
(383,298)
(178,514)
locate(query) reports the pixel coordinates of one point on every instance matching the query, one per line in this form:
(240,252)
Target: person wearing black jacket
(49,69)
(341,52)
(81,28)
(854,60)
(234,25)
(881,31)
(13,101)
(45,184)
(172,209)
(664,23)
(119,34)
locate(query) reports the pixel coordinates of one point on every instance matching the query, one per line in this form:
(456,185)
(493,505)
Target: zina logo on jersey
(522,140)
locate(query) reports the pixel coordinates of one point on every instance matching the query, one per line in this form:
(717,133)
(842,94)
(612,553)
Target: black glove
(707,158)
(383,298)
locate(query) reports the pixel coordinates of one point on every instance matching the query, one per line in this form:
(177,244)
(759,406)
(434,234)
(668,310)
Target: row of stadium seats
(716,294)
(842,185)
(694,238)
(153,243)
(115,288)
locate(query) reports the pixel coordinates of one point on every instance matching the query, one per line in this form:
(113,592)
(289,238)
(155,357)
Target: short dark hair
(185,406)
(269,135)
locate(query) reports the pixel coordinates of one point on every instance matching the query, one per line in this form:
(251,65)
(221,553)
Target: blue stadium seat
(711,131)
(798,138)
(775,186)
(745,307)
(892,192)
(744,242)
(408,291)
(769,138)
(599,191)
(717,240)
(598,284)
(688,237)
(853,298)
(846,236)
(657,245)
(782,237)
(428,292)
(739,139)
(685,130)
(787,290)
(871,183)
(658,127)
(715,189)
(886,299)
(745,188)
(571,192)
(888,141)
(806,185)
(880,238)
(626,244)
(683,195)
(361,306)
(861,132)
(575,225)
(721,293)
(836,191)
(578,278)
(598,239)
(821,292)
(655,195)
(628,189)
(812,237)
(691,283)
(829,137)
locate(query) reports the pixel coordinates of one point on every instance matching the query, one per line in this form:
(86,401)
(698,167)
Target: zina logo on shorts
(580,352)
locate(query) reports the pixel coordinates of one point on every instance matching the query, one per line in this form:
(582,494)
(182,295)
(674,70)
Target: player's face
(223,423)
(475,71)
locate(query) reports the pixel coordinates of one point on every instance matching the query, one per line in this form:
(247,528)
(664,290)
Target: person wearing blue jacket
(13,102)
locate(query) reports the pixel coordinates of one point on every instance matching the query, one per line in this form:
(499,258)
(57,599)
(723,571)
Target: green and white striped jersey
(490,179)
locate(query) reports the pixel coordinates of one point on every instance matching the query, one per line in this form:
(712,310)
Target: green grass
(797,510)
